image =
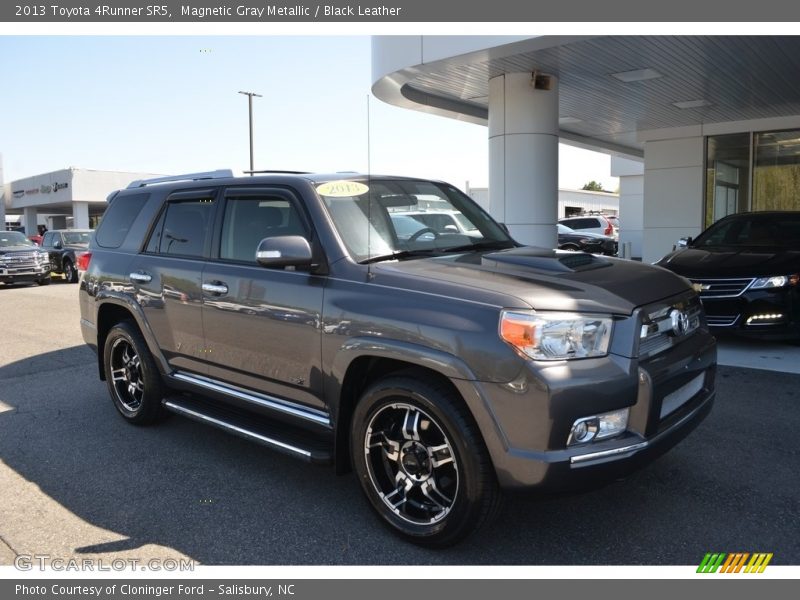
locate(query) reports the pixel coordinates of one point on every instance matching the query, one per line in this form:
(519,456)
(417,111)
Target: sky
(170,104)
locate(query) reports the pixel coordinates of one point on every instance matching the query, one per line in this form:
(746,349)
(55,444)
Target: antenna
(369,199)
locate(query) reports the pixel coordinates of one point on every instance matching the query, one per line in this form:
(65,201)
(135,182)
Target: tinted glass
(753,231)
(77,237)
(118,218)
(377,218)
(47,240)
(13,238)
(186,226)
(249,220)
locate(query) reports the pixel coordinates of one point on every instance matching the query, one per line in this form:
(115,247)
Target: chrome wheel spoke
(400,494)
(411,424)
(118,375)
(391,449)
(441,455)
(432,493)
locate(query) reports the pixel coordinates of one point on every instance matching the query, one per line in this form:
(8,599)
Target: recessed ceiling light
(568,120)
(692,103)
(637,75)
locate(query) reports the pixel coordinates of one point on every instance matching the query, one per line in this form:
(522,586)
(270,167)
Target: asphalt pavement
(78,482)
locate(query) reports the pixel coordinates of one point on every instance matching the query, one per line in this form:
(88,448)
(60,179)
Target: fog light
(598,427)
(764,317)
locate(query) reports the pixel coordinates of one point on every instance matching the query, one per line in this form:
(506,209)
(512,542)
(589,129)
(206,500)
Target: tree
(593,186)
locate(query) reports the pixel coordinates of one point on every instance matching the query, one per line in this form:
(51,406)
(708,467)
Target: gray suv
(442,367)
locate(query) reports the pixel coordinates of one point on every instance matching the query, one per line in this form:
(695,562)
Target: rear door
(167,276)
(262,326)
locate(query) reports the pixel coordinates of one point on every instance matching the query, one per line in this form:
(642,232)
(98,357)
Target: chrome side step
(294,410)
(283,438)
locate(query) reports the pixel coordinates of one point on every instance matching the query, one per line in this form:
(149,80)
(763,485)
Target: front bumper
(533,415)
(24,274)
(768,313)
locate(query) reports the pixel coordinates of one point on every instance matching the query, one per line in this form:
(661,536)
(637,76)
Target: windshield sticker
(342,189)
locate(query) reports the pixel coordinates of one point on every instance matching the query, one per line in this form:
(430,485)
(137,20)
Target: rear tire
(132,376)
(70,272)
(422,462)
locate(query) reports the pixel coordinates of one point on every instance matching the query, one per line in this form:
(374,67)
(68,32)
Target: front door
(262,326)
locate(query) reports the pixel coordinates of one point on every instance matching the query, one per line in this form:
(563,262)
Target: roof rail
(218,174)
(279,171)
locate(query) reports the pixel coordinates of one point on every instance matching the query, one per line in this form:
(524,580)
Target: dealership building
(66,198)
(698,127)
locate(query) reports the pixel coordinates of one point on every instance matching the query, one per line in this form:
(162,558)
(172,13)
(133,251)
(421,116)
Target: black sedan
(595,243)
(746,268)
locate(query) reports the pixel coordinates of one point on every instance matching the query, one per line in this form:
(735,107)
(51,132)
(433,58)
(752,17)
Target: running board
(255,428)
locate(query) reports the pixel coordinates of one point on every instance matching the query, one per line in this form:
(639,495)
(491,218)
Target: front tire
(133,379)
(421,461)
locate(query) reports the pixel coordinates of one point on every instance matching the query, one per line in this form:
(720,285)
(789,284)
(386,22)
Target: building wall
(673,193)
(586,200)
(631,203)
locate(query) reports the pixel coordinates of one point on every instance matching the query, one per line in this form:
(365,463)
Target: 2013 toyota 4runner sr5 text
(316,315)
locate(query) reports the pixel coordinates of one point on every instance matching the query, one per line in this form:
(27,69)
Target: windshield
(754,230)
(77,237)
(381,218)
(13,238)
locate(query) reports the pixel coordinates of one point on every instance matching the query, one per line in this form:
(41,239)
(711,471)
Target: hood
(727,261)
(19,248)
(543,279)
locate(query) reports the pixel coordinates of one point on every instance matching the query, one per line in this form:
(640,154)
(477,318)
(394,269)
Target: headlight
(556,336)
(775,281)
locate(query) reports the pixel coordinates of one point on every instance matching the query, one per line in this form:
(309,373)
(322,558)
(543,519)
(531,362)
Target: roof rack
(218,174)
(279,171)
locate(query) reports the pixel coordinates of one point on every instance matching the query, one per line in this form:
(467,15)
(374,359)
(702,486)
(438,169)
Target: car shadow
(221,500)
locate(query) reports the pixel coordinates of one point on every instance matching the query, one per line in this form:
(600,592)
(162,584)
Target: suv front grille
(668,323)
(722,288)
(21,260)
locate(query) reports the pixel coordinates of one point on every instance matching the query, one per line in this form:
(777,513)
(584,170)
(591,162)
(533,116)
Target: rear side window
(118,218)
(186,228)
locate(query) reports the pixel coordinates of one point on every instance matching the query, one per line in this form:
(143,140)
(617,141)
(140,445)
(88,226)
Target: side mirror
(57,245)
(685,242)
(284,251)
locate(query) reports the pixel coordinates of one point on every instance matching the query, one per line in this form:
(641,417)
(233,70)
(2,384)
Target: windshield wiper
(482,245)
(400,254)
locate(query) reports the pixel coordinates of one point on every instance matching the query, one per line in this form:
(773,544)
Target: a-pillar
(30,219)
(80,214)
(523,156)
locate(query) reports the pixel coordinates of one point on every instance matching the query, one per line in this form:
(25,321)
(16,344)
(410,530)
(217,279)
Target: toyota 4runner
(441,366)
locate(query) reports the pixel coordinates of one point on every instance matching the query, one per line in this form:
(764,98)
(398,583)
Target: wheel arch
(363,361)
(115,309)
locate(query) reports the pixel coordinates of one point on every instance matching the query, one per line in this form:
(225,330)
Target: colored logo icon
(736,562)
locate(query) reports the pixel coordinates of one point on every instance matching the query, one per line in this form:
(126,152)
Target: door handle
(215,288)
(140,277)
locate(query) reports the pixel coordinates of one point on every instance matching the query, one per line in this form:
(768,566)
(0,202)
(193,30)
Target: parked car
(66,247)
(21,261)
(592,224)
(594,243)
(441,222)
(441,368)
(746,268)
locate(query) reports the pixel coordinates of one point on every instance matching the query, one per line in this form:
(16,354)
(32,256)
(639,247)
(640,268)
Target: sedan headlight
(775,281)
(556,336)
